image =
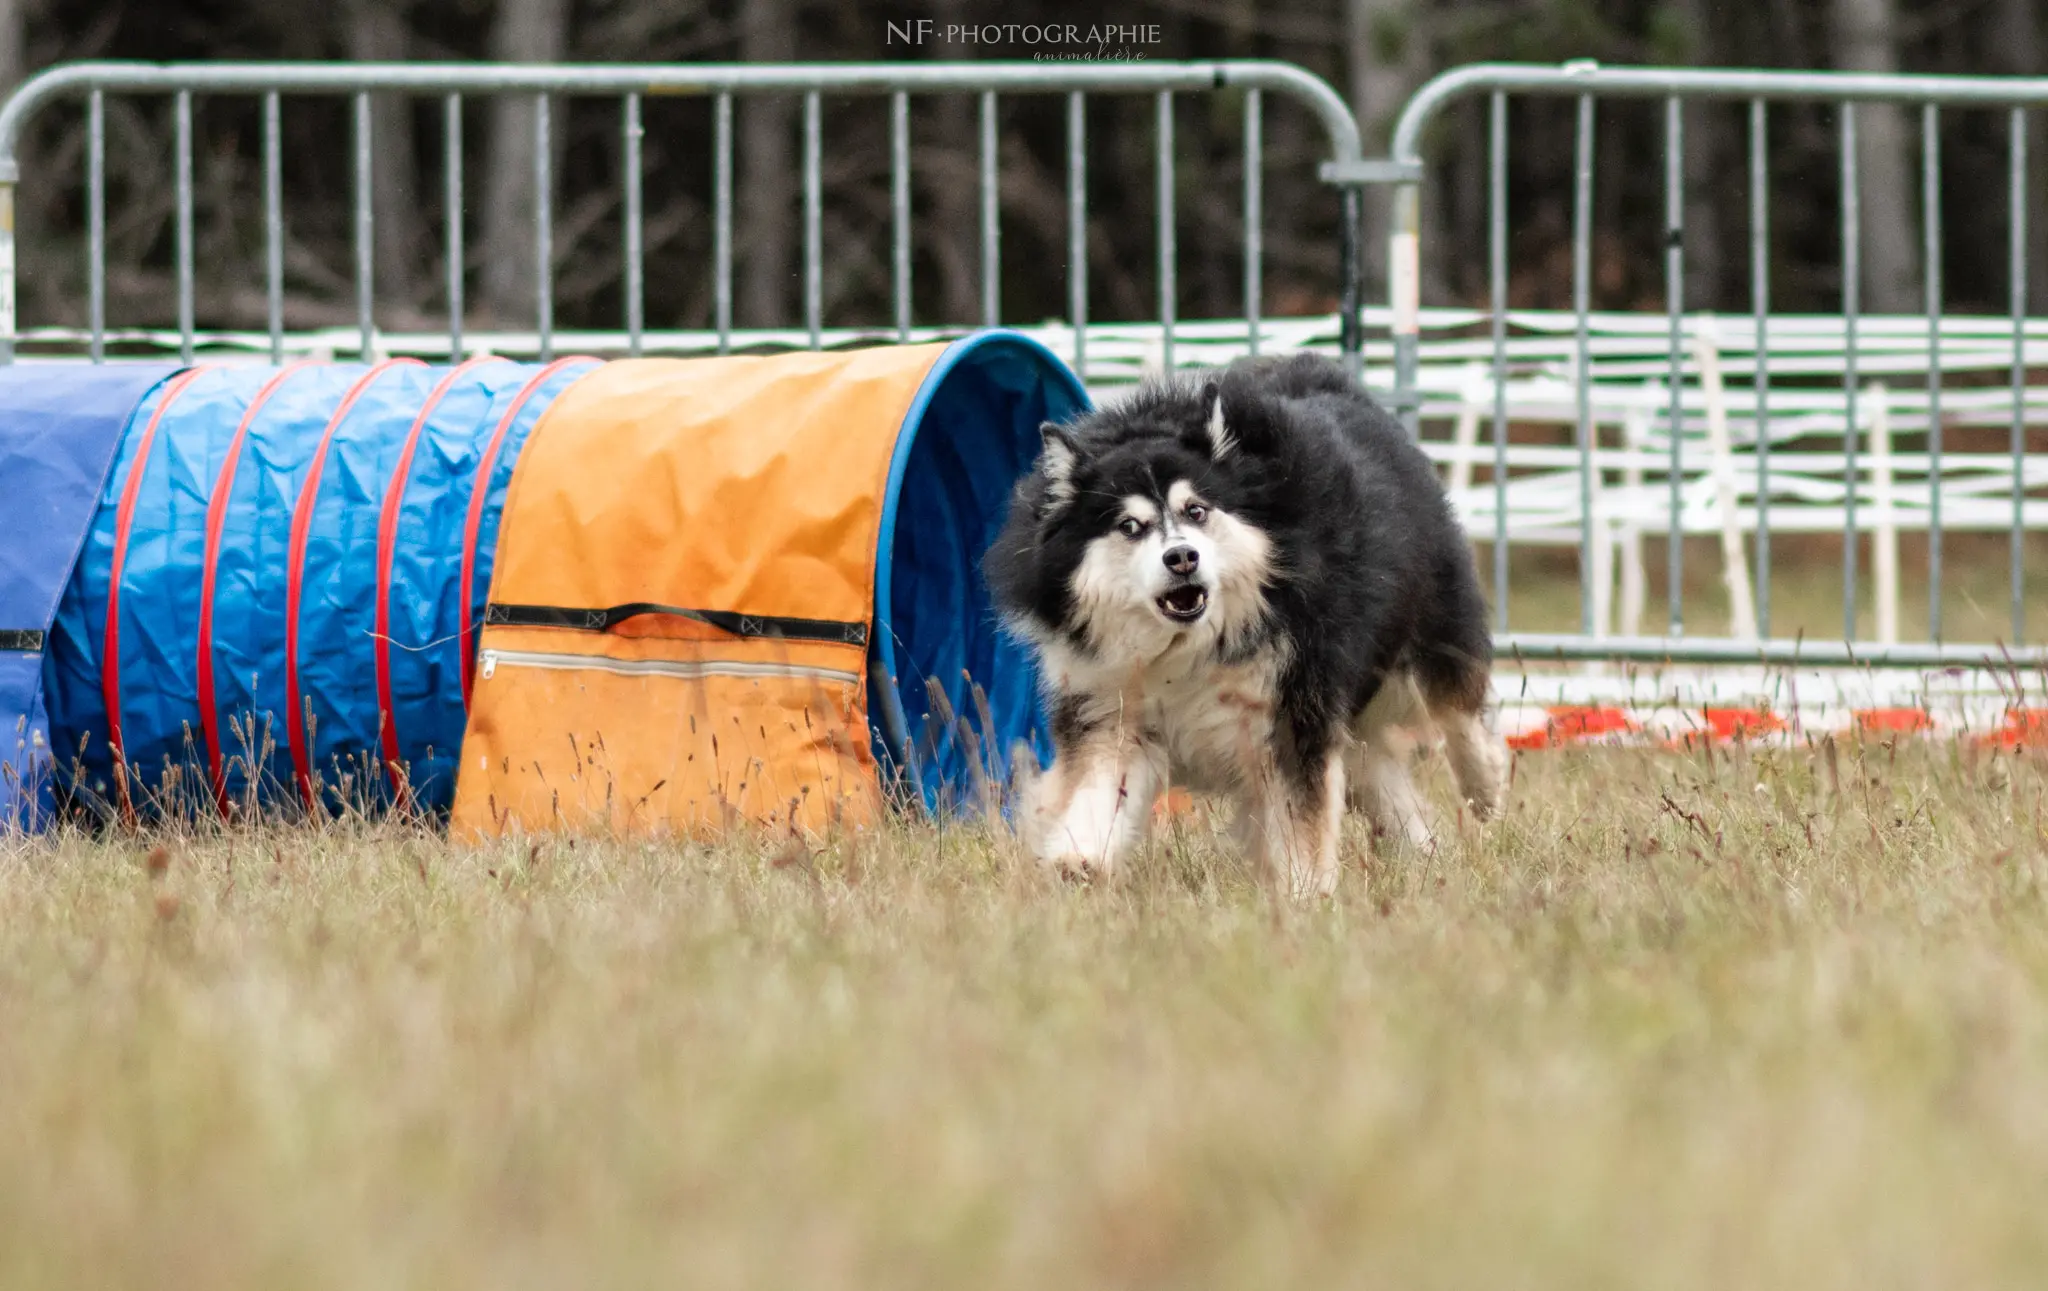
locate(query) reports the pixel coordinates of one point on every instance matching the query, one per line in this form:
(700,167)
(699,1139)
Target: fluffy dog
(1251,586)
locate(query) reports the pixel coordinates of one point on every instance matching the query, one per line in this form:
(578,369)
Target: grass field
(1736,1019)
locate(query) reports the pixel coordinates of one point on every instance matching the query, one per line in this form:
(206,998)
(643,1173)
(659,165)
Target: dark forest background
(1374,51)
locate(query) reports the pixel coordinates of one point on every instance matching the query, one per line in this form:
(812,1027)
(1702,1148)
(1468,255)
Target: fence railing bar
(899,209)
(1497,276)
(273,220)
(2017,245)
(1547,647)
(1582,304)
(1760,302)
(183,112)
(451,199)
(814,250)
(1077,228)
(721,220)
(965,77)
(1254,215)
(991,216)
(1930,225)
(1351,289)
(1852,305)
(636,235)
(1674,297)
(1571,80)
(544,225)
(1169,286)
(96,222)
(365,232)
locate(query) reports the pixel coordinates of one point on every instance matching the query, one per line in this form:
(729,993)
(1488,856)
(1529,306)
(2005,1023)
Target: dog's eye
(1130,527)
(1196,513)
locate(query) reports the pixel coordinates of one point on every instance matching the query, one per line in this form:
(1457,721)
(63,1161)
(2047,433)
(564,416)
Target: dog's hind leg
(1384,789)
(1453,666)
(1478,757)
(1479,761)
(1296,822)
(1380,758)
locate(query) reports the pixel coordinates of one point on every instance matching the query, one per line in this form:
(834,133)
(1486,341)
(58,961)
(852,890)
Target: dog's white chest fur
(1206,724)
(1215,723)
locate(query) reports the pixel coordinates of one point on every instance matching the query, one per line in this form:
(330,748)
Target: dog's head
(1138,534)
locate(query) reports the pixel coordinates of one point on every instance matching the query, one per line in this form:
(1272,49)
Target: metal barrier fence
(1588,84)
(94,81)
(1347,171)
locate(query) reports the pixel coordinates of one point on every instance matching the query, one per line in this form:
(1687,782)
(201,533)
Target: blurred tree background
(1374,51)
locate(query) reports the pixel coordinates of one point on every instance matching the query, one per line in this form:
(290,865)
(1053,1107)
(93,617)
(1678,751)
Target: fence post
(1404,292)
(7,318)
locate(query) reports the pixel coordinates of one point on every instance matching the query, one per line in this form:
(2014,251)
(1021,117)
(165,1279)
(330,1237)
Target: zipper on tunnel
(658,667)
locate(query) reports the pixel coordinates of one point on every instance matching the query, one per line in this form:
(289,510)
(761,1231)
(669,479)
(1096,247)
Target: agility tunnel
(644,594)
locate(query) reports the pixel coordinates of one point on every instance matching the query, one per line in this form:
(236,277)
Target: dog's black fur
(1370,571)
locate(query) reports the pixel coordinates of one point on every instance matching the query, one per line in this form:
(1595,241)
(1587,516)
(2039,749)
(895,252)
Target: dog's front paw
(1077,868)
(1316,883)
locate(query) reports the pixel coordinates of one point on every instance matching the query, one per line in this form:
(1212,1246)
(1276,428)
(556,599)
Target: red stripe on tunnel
(479,491)
(216,526)
(295,724)
(387,551)
(124,520)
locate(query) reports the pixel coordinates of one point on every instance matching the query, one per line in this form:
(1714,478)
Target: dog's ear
(1057,464)
(1234,420)
(1216,431)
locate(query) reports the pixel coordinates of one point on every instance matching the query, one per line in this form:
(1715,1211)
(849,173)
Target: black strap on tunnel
(740,625)
(21,640)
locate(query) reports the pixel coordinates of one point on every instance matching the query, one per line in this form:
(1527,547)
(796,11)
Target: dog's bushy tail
(1295,376)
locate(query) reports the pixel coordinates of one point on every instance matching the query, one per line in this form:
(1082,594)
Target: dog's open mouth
(1184,604)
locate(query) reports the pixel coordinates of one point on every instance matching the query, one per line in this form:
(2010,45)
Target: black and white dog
(1253,585)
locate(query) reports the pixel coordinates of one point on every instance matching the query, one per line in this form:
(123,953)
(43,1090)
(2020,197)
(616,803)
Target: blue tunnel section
(952,693)
(241,494)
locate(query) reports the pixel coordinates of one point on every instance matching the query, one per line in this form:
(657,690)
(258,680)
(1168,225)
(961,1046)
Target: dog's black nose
(1182,559)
